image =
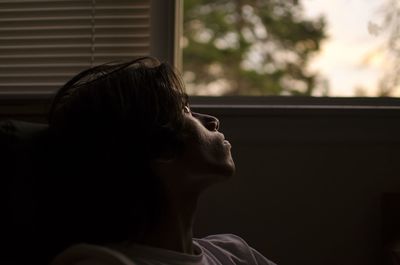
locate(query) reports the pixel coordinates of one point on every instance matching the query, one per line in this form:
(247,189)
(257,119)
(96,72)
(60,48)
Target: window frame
(166,29)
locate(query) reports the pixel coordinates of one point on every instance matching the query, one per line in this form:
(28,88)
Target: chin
(217,173)
(230,169)
(225,171)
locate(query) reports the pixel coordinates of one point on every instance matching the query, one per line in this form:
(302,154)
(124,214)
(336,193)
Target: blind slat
(68,8)
(62,37)
(71,46)
(143,26)
(27,75)
(65,18)
(46,3)
(63,55)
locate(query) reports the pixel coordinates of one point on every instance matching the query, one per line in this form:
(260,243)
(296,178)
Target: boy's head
(108,124)
(140,102)
(125,139)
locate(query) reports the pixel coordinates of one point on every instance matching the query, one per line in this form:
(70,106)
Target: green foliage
(389,84)
(258,47)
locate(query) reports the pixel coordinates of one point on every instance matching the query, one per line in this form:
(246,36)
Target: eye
(186,109)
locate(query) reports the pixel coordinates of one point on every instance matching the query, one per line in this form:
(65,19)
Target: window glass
(291,47)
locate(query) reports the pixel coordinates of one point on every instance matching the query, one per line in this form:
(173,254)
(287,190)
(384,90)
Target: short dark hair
(108,124)
(142,92)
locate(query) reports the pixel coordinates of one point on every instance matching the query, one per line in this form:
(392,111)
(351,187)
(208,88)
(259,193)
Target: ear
(163,166)
(167,154)
(164,159)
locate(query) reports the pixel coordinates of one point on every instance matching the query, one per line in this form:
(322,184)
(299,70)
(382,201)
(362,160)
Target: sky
(349,57)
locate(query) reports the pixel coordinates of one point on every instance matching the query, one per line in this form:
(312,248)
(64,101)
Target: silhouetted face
(206,158)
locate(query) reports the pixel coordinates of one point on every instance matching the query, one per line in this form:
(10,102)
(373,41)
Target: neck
(175,229)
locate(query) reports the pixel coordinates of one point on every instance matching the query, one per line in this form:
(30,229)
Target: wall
(309,183)
(309,180)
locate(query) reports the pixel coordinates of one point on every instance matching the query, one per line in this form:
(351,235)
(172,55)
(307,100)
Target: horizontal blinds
(44,43)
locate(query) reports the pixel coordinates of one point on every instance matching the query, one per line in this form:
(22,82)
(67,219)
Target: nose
(210,122)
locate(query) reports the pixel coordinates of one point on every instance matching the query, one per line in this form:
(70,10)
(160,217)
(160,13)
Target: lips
(225,142)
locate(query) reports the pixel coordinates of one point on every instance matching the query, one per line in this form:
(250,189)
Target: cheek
(204,143)
(205,149)
(210,150)
(198,140)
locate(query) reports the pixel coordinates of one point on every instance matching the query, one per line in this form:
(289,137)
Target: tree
(256,47)
(389,85)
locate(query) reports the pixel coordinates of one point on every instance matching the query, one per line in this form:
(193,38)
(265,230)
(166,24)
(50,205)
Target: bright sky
(342,59)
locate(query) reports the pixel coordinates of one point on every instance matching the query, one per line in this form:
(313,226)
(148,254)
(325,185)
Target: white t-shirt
(225,249)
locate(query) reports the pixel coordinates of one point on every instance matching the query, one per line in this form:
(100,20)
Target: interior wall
(308,187)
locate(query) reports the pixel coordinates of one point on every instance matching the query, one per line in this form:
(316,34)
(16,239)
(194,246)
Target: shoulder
(224,240)
(226,244)
(86,254)
(232,247)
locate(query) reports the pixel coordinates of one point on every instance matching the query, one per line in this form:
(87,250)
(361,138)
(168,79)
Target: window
(43,43)
(274,48)
(296,48)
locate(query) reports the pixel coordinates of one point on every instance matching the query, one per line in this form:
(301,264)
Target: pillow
(22,152)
